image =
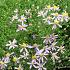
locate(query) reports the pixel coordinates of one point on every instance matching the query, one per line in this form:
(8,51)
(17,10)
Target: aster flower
(40,66)
(19,68)
(56,8)
(57,17)
(50,39)
(28,14)
(32,64)
(54,57)
(24,50)
(53,46)
(2,64)
(12,44)
(41,55)
(65,16)
(55,24)
(22,19)
(15,17)
(22,27)
(46,40)
(61,49)
(49,8)
(6,59)
(48,20)
(42,13)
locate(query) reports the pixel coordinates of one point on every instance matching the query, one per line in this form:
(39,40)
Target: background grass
(8,30)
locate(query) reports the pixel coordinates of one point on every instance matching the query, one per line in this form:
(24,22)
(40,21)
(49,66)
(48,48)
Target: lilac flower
(41,55)
(6,59)
(22,27)
(53,46)
(48,20)
(40,66)
(12,44)
(33,63)
(53,37)
(50,39)
(2,65)
(46,49)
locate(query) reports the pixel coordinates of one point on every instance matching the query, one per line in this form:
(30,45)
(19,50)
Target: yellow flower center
(22,19)
(23,45)
(48,6)
(55,7)
(56,14)
(34,57)
(1,62)
(65,14)
(56,21)
(14,59)
(8,54)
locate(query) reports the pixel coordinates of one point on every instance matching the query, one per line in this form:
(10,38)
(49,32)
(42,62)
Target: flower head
(22,27)
(12,44)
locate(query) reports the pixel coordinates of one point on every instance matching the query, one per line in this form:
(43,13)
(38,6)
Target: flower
(33,63)
(15,17)
(50,39)
(2,64)
(28,14)
(53,46)
(65,16)
(19,68)
(54,56)
(55,24)
(61,49)
(22,27)
(40,66)
(24,50)
(49,7)
(12,44)
(56,8)
(22,19)
(6,59)
(41,55)
(14,59)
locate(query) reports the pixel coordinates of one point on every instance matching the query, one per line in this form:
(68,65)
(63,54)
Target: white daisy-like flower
(12,44)
(22,27)
(54,57)
(19,68)
(22,19)
(61,49)
(15,17)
